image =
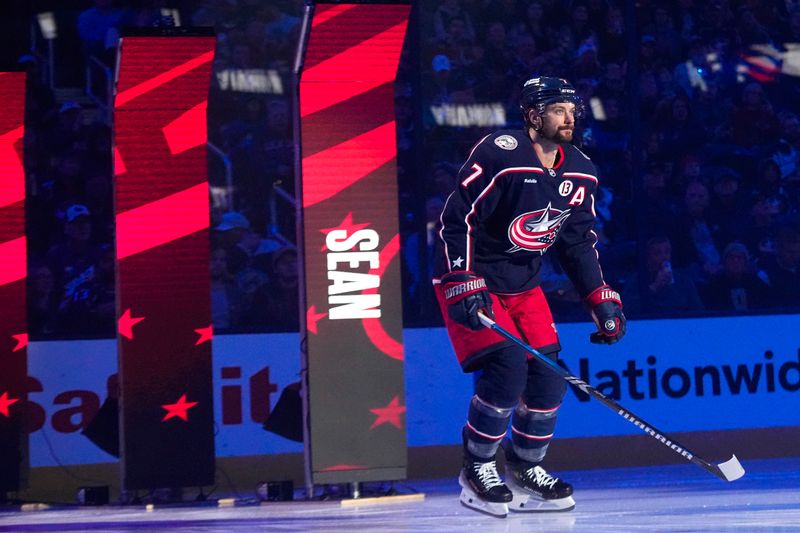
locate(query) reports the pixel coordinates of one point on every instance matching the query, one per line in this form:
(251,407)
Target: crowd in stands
(693,118)
(69,168)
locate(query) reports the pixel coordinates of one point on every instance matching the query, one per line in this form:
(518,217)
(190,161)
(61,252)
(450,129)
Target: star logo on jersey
(536,231)
(457,262)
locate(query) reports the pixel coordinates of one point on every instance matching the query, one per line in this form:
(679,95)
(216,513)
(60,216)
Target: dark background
(692,120)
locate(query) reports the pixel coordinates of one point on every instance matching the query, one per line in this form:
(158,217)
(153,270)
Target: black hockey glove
(607,314)
(465,294)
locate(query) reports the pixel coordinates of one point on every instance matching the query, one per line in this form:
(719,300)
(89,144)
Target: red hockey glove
(607,314)
(465,294)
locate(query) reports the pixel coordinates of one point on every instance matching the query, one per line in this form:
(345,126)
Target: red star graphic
(347,225)
(389,414)
(206,334)
(5,403)
(312,317)
(22,341)
(126,323)
(179,409)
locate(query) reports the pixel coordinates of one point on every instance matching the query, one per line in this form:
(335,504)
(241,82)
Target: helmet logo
(506,142)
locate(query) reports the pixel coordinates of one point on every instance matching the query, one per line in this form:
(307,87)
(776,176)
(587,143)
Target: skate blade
(526,502)
(471,500)
(529,503)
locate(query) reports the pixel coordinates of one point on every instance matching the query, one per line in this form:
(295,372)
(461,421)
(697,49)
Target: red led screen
(351,243)
(13,320)
(161,192)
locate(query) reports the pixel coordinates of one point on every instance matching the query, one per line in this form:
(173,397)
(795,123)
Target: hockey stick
(730,470)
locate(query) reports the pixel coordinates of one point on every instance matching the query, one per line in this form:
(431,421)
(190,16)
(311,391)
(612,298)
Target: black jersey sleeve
(474,198)
(576,247)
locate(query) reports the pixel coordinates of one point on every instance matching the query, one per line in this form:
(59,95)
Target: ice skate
(537,491)
(482,489)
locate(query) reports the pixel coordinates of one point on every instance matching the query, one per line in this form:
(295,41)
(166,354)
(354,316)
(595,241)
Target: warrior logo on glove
(466,294)
(607,314)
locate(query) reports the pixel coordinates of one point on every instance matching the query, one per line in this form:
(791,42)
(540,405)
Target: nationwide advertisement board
(716,375)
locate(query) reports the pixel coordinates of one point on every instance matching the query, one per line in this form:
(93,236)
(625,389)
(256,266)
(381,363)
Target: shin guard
(486,426)
(532,430)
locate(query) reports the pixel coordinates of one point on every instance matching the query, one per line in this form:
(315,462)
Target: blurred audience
(709,155)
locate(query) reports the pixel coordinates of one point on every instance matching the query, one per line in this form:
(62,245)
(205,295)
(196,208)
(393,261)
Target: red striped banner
(353,318)
(13,308)
(161,192)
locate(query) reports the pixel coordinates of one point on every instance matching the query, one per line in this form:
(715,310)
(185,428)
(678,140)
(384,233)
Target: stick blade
(731,470)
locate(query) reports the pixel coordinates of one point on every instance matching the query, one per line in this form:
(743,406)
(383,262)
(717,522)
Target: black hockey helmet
(537,93)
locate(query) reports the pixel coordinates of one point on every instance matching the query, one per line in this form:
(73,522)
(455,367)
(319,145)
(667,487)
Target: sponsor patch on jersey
(506,142)
(565,188)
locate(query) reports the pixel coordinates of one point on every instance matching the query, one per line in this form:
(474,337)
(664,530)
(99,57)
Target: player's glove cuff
(603,294)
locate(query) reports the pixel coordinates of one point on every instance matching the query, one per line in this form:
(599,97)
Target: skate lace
(542,478)
(487,473)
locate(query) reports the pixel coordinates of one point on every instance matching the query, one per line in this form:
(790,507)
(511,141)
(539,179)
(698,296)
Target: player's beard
(560,135)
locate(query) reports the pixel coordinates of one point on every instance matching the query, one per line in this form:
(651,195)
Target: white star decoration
(457,262)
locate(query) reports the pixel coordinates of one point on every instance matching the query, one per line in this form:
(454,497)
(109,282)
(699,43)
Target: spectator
(535,25)
(70,132)
(442,80)
(42,300)
(759,233)
(660,205)
(782,270)
(275,305)
(662,291)
(452,27)
(682,133)
(234,235)
(499,55)
(727,205)
(418,253)
(735,287)
(748,130)
(694,235)
(785,153)
(74,264)
(225,294)
(612,37)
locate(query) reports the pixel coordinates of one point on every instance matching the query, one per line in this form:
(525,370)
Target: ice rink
(665,498)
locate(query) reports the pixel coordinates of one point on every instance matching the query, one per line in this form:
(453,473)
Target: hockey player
(520,194)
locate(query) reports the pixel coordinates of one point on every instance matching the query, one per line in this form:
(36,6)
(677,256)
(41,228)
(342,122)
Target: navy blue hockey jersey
(508,210)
